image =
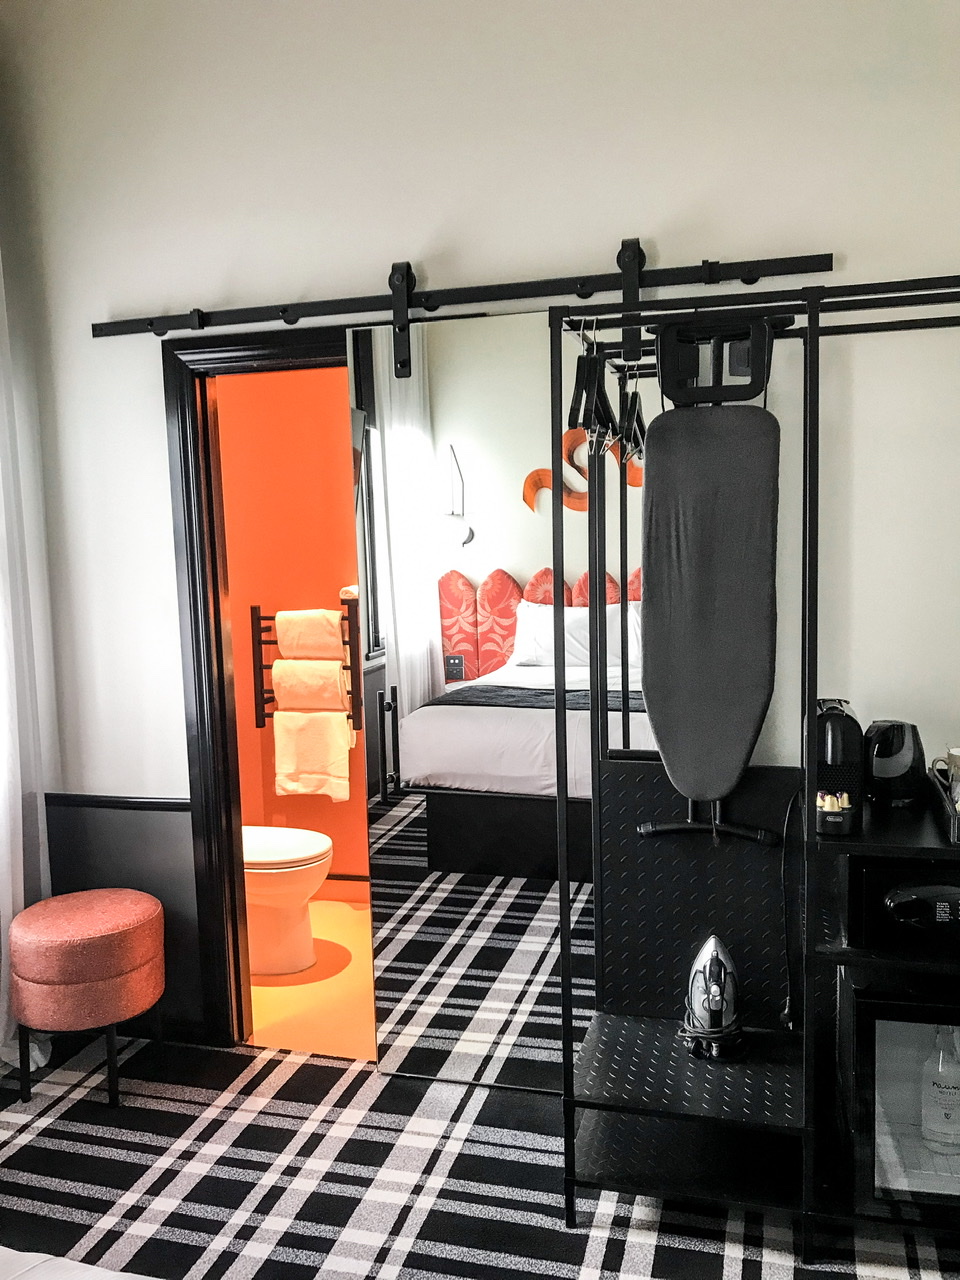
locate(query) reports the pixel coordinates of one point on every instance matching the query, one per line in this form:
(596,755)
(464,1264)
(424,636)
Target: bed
(484,752)
(497,733)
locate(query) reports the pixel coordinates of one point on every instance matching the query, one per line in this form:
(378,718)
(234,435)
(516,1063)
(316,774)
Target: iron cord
(786,1016)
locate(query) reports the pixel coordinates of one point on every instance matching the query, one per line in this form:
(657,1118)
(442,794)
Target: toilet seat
(284,848)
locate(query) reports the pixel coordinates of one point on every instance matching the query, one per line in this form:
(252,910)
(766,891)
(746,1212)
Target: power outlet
(453,667)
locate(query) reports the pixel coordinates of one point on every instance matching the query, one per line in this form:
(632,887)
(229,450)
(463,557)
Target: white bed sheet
(510,749)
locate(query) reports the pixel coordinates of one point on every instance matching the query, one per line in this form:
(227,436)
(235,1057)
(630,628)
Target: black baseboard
(176,1030)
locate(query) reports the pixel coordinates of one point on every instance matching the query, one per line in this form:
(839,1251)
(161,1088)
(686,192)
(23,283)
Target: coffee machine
(839,769)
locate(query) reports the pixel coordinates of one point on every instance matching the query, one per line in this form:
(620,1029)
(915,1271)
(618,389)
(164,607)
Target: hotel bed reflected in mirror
(466,934)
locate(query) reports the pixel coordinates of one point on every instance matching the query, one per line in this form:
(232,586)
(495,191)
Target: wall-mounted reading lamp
(456,495)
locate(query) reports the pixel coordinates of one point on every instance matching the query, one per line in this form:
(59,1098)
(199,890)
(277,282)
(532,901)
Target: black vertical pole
(382,743)
(395,739)
(624,576)
(597,576)
(113,1073)
(810,571)
(603,631)
(23,1035)
(560,723)
(596,536)
(810,563)
(256,633)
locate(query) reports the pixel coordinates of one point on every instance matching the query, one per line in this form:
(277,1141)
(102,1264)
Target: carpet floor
(246,1164)
(467,966)
(265,1164)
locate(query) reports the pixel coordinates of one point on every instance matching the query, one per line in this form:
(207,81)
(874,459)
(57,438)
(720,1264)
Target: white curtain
(412,610)
(24,875)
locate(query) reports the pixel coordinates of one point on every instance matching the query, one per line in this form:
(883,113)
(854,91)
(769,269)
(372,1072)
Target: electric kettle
(894,763)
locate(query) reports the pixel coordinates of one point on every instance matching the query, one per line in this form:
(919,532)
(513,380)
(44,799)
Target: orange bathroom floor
(327,1008)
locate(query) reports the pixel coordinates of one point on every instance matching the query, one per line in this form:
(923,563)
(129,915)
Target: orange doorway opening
(287,483)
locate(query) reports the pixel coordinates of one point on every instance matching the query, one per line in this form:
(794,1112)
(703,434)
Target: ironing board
(709,613)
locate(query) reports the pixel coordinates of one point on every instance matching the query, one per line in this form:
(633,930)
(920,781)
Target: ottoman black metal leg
(23,1035)
(113,1075)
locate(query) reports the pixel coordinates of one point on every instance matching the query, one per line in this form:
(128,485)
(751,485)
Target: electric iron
(711,1026)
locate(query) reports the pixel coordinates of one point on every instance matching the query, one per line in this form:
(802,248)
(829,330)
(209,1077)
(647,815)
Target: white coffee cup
(950,763)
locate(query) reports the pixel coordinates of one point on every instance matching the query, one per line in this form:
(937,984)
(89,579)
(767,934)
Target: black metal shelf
(887,962)
(655,1156)
(639,1065)
(895,833)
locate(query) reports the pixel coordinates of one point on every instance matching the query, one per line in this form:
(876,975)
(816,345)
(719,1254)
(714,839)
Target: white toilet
(283,867)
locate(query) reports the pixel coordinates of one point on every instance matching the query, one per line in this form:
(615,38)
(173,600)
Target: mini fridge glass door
(908,1089)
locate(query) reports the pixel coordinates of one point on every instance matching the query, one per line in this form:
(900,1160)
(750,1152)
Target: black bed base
(489,833)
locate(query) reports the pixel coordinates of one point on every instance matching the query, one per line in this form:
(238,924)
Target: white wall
(238,151)
(490,401)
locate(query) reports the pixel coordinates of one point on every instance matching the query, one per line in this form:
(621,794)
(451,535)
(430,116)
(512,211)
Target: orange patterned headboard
(458,620)
(497,598)
(581,590)
(480,623)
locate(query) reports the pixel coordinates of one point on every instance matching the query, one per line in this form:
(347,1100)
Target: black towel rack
(261,625)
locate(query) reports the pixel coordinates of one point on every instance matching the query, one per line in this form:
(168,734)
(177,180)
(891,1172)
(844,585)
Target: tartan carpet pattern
(261,1164)
(468,966)
(250,1164)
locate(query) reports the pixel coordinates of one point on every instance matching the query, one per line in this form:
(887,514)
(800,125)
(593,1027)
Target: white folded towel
(310,684)
(310,633)
(312,753)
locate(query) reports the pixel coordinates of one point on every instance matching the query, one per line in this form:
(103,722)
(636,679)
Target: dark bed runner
(502,695)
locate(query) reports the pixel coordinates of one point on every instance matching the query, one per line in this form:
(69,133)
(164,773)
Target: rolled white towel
(310,684)
(310,633)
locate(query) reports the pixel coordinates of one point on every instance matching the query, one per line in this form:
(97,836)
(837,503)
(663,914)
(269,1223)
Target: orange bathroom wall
(286,463)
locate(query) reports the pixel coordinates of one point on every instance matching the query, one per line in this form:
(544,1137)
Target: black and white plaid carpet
(468,967)
(250,1164)
(235,1164)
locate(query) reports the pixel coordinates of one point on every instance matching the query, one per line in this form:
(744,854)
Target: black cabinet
(898,1106)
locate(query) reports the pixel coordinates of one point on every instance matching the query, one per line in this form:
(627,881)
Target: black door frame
(188,364)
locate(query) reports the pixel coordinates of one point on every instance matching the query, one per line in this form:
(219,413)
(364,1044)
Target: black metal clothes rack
(261,626)
(640,1116)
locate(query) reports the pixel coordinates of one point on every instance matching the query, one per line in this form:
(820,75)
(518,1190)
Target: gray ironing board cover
(709,610)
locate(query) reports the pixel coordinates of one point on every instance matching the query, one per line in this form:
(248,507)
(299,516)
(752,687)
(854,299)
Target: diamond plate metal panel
(641,1062)
(659,897)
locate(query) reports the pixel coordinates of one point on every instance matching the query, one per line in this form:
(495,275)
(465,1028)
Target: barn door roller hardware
(631,260)
(404,296)
(402,284)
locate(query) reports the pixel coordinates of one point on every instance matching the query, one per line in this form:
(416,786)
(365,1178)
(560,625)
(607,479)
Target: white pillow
(533,638)
(633,631)
(613,634)
(533,641)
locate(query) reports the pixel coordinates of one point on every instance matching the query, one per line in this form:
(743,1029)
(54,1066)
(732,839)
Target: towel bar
(260,627)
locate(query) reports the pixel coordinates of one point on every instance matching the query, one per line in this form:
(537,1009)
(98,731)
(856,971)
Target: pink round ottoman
(85,960)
